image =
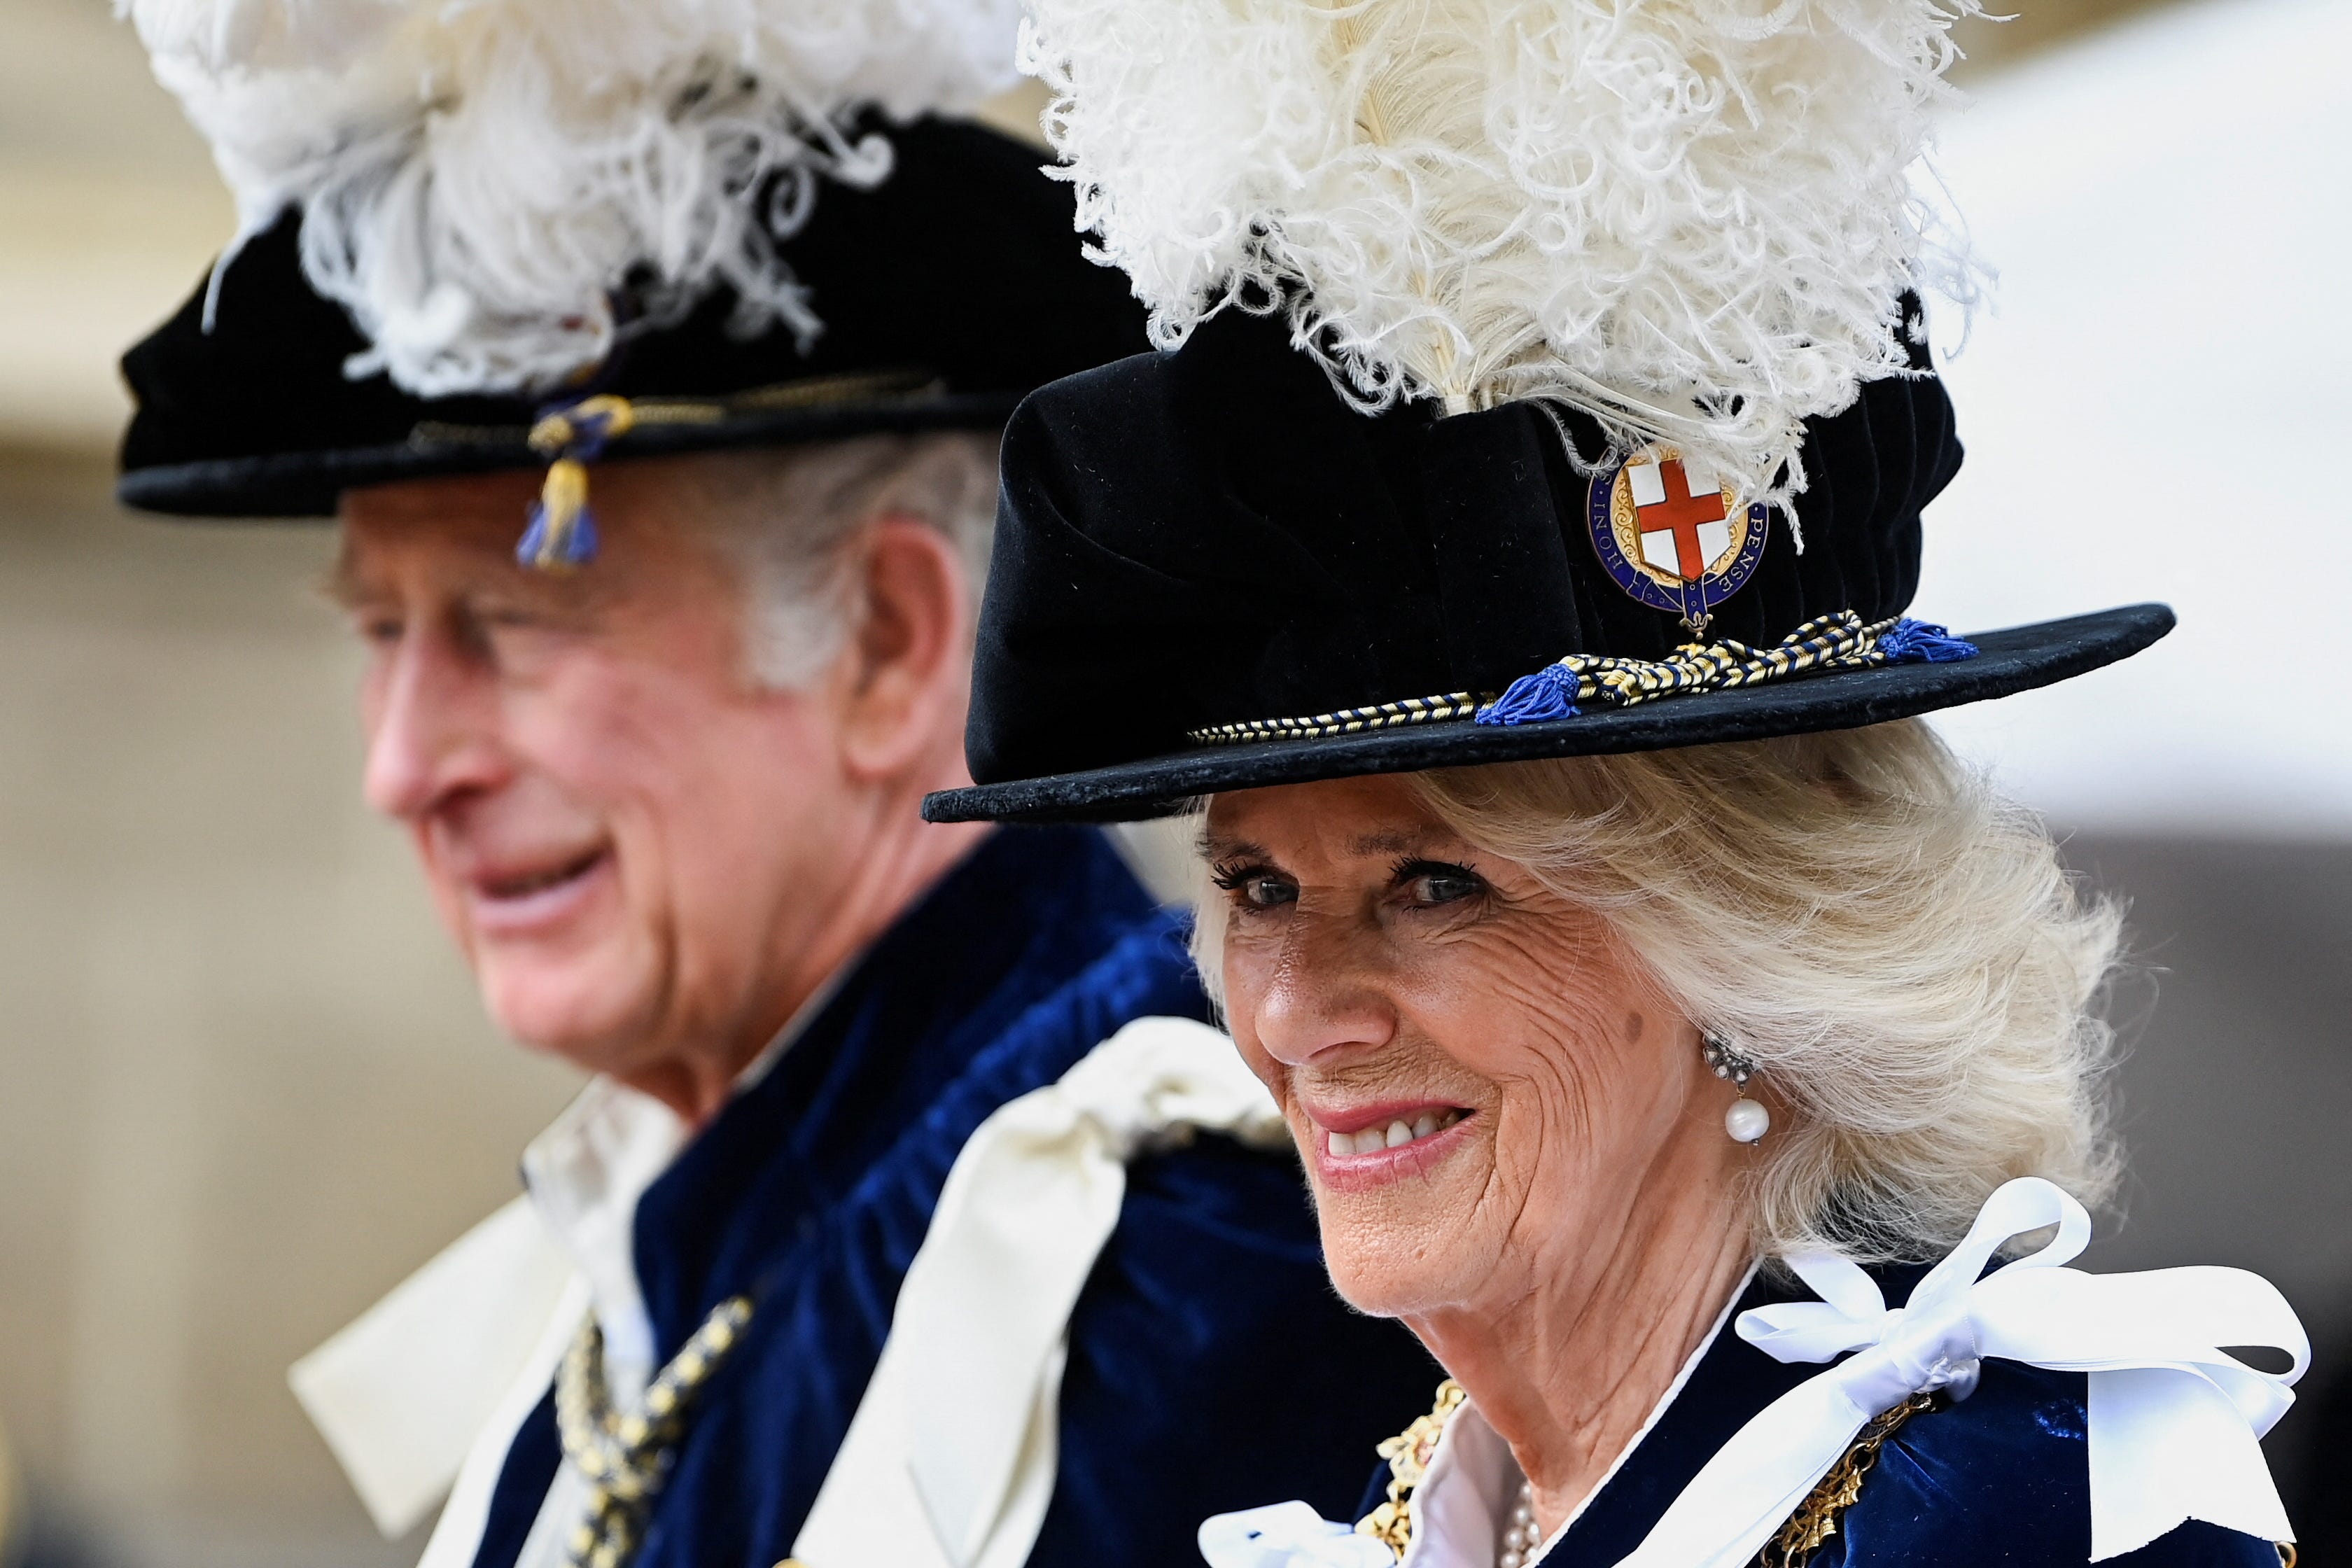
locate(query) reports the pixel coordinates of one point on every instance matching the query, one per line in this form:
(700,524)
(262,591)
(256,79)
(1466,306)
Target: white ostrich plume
(480,179)
(1690,218)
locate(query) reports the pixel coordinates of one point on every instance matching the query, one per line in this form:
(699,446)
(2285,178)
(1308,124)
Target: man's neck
(1568,1374)
(891,859)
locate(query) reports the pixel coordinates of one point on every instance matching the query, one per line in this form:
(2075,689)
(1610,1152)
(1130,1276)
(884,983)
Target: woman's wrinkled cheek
(1553,1030)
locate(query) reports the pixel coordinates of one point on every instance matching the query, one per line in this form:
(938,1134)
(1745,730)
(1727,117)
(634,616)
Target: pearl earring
(1745,1121)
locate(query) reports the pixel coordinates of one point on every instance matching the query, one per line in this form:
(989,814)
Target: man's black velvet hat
(1211,573)
(946,292)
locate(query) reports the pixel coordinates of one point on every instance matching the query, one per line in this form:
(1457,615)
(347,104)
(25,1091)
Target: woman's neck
(1568,1371)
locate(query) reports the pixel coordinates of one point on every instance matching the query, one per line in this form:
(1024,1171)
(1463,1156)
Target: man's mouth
(531,901)
(1396,1131)
(525,884)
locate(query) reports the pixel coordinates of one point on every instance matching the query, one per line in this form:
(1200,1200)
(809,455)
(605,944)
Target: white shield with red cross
(1682,513)
(1672,534)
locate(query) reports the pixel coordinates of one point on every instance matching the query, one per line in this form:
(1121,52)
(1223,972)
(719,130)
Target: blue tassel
(557,546)
(1548,693)
(557,543)
(1922,642)
(561,535)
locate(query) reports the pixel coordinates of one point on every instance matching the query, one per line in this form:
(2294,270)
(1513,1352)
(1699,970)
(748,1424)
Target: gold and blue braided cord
(1839,641)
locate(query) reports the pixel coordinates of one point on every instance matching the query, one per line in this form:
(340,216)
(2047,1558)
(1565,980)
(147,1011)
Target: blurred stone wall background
(244,1085)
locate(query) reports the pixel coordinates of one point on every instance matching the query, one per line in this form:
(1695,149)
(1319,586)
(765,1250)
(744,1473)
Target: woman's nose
(1323,995)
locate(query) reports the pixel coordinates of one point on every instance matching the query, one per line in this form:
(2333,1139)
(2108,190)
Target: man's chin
(572,1009)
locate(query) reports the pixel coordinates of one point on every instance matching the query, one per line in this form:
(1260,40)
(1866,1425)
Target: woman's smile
(1363,1146)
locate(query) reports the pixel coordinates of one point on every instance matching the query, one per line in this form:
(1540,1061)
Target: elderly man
(884,1235)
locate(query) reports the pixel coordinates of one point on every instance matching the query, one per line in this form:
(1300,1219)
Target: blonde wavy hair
(1895,944)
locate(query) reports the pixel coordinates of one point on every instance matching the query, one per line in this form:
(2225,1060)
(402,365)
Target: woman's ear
(907,673)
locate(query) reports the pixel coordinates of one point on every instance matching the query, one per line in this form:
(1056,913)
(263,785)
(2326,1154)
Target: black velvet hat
(946,293)
(1213,573)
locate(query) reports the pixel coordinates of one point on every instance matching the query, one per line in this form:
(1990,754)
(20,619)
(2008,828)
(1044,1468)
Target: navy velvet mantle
(1999,1477)
(812,1190)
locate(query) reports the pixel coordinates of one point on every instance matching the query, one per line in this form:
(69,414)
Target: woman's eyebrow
(1392,843)
(1214,848)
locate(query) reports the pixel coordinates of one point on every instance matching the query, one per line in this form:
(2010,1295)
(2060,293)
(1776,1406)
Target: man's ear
(906,673)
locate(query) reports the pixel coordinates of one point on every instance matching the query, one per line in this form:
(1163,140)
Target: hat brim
(297,485)
(2017,658)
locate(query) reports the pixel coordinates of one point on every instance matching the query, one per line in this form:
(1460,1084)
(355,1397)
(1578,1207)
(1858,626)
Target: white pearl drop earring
(1745,1121)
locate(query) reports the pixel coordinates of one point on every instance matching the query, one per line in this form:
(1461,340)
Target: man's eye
(380,631)
(1429,884)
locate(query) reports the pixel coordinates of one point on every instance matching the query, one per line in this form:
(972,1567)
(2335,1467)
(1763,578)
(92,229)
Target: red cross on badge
(1666,534)
(1681,515)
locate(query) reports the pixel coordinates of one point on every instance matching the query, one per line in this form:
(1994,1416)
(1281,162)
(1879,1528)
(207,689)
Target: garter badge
(1673,536)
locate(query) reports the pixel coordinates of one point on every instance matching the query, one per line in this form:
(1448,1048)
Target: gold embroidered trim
(1408,1454)
(1816,1519)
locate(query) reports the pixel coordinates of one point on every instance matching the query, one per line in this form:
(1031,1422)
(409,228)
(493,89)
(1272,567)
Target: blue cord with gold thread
(1836,641)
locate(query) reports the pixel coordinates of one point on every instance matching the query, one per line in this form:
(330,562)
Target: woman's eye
(1428,885)
(1257,888)
(1267,892)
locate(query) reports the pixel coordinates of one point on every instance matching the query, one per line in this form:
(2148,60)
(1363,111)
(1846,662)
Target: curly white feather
(1689,217)
(480,178)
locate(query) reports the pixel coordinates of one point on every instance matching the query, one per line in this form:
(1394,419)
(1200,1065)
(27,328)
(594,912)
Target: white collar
(585,1174)
(460,1352)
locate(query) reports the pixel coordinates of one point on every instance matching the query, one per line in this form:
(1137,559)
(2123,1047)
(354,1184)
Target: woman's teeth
(1372,1140)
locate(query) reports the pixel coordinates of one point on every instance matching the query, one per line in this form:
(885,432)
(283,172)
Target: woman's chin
(1395,1248)
(1392,1275)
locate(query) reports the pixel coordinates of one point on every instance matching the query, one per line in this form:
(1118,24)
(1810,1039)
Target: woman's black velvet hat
(946,292)
(1212,573)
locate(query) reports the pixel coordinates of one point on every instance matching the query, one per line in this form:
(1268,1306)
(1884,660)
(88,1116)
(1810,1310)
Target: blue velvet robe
(2001,1477)
(812,1190)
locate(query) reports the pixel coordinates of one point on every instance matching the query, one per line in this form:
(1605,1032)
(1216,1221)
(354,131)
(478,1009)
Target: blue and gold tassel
(1550,693)
(562,532)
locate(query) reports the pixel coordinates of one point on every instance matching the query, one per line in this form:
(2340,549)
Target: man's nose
(431,731)
(1323,995)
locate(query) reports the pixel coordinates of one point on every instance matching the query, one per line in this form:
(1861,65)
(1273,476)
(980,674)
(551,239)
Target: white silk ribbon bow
(949,1461)
(2174,1422)
(1288,1535)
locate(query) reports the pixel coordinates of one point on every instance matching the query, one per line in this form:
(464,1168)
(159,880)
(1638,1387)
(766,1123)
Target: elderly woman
(1697,1058)
(1637,1067)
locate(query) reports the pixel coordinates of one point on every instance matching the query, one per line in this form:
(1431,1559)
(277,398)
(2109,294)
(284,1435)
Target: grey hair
(784,520)
(1895,945)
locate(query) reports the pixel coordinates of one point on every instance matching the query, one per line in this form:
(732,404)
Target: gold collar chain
(626,1458)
